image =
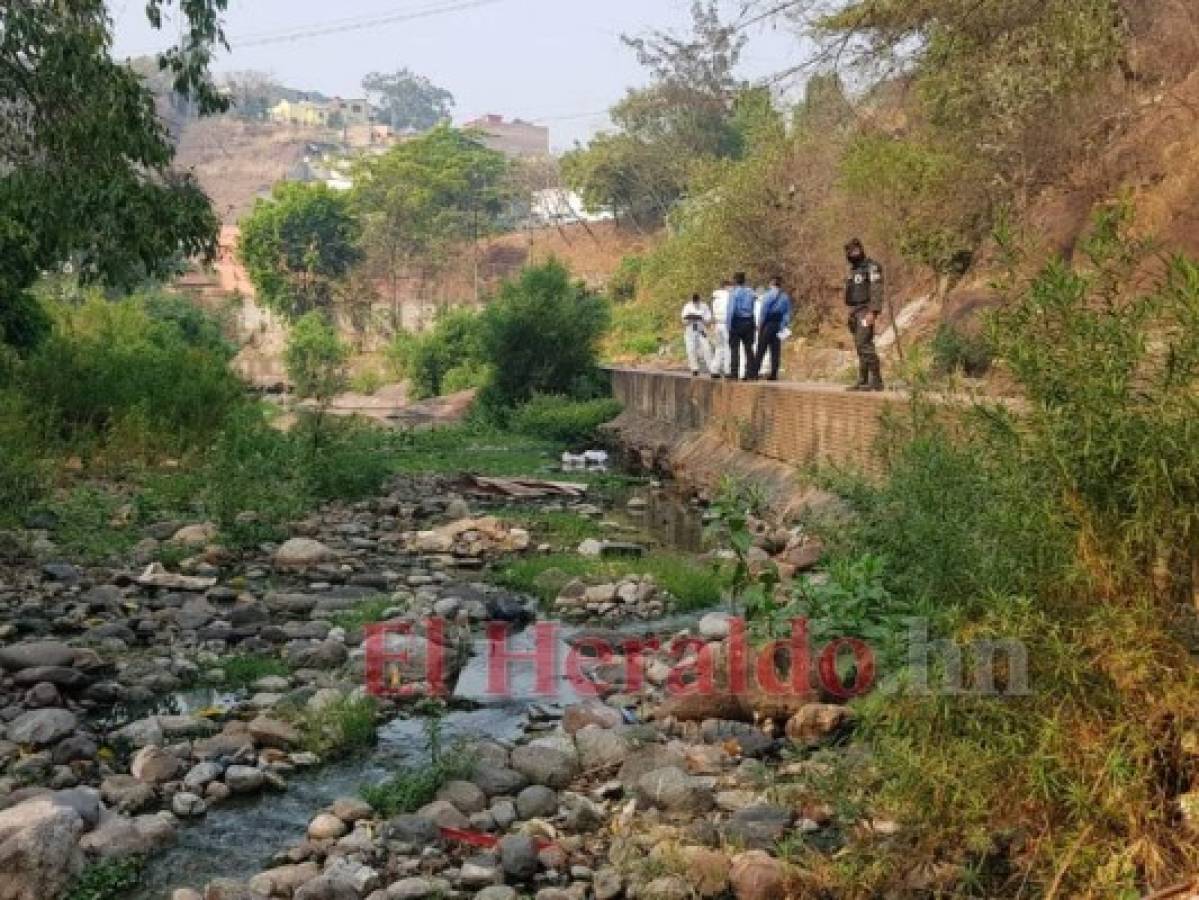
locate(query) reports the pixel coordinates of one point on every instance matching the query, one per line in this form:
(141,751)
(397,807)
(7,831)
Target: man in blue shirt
(776,317)
(742,326)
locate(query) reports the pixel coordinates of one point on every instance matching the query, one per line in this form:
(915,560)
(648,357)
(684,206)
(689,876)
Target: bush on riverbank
(562,419)
(1070,529)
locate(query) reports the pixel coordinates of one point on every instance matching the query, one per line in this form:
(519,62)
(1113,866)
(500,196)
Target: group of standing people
(737,322)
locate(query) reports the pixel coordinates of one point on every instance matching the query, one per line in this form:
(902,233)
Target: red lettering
(704,683)
(543,656)
(830,678)
(583,685)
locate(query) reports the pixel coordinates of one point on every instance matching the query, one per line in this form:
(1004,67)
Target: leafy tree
(407,100)
(316,358)
(687,114)
(85,163)
(422,199)
(297,245)
(541,336)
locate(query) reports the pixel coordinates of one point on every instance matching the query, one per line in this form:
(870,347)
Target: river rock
(39,849)
(352,809)
(581,814)
(578,716)
(326,827)
(343,880)
(284,881)
(126,794)
(41,727)
(153,765)
(816,723)
(467,797)
(479,872)
(61,676)
(647,759)
(244,779)
(715,626)
(600,748)
(413,888)
(443,815)
(412,829)
(536,802)
(187,805)
(758,827)
(607,884)
(118,836)
(495,892)
(42,696)
(675,791)
(668,887)
(299,554)
(196,536)
(142,732)
(518,856)
(545,765)
(756,875)
(36,653)
(327,654)
(498,781)
(270,732)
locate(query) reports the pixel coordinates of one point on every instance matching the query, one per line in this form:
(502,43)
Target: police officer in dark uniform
(864,297)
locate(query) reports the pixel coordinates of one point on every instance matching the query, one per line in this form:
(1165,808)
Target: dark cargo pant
(869,364)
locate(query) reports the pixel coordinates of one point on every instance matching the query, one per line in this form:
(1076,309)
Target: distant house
(515,139)
(334,113)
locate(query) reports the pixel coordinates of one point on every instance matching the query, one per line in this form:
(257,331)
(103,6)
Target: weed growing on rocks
(109,879)
(339,727)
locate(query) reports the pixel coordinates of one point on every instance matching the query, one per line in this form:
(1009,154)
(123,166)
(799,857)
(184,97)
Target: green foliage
(367,612)
(298,245)
(84,529)
(540,336)
(1067,526)
(563,420)
(316,358)
(622,286)
(24,475)
(731,510)
(340,727)
(954,350)
(243,670)
(408,101)
(108,879)
(113,365)
(445,359)
(409,789)
(564,530)
(86,166)
(475,448)
(692,587)
(424,198)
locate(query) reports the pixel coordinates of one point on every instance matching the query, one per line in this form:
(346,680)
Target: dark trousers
(869,365)
(741,335)
(768,340)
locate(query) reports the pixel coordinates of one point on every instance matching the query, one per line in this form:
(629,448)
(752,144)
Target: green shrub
(349,459)
(108,879)
(445,359)
(366,612)
(411,788)
(562,419)
(540,336)
(316,358)
(957,351)
(244,670)
(622,286)
(111,362)
(343,726)
(23,472)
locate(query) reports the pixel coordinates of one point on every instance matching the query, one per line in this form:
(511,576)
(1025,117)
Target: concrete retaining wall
(794,424)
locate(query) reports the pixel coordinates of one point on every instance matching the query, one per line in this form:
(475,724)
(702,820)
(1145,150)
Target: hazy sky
(558,62)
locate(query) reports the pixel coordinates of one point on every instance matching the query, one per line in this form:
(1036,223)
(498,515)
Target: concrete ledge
(796,424)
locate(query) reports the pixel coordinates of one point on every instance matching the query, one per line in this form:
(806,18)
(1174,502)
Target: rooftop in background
(517,139)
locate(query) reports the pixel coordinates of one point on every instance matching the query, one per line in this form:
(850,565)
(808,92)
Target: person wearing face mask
(864,297)
(696,318)
(776,319)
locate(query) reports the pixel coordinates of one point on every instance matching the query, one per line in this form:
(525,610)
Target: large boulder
(42,727)
(537,802)
(498,781)
(119,837)
(600,748)
(518,856)
(39,849)
(270,732)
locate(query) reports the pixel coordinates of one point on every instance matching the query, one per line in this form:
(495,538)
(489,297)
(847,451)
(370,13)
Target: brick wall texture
(792,423)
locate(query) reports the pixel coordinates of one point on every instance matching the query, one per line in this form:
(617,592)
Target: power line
(362,24)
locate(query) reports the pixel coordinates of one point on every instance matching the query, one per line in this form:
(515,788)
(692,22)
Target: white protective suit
(696,318)
(721,361)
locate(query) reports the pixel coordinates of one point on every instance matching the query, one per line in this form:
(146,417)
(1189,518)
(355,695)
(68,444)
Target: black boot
(876,379)
(863,379)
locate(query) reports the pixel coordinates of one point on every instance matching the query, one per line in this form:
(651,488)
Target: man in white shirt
(696,318)
(720,364)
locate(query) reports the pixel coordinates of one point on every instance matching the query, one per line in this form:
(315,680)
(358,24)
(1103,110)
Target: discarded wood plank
(522,488)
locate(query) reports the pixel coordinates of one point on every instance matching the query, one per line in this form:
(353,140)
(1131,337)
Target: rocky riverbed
(107,753)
